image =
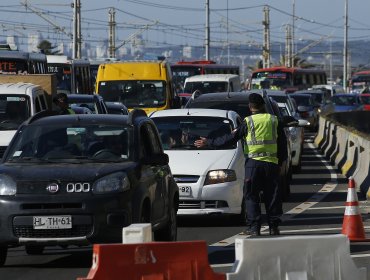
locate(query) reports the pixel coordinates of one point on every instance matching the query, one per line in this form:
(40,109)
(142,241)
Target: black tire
(34,250)
(3,254)
(169,231)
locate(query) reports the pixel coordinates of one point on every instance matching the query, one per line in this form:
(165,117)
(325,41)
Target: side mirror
(303,123)
(289,121)
(157,159)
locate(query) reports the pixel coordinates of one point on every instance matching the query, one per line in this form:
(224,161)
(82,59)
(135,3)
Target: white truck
(18,102)
(212,83)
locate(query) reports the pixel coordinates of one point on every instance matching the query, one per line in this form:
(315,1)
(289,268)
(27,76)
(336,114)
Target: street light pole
(345,49)
(207,30)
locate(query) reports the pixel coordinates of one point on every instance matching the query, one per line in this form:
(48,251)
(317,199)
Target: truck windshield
(14,109)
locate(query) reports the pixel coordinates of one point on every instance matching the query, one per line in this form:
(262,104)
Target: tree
(46,47)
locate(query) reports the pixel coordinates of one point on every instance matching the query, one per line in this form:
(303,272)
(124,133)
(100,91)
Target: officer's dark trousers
(261,176)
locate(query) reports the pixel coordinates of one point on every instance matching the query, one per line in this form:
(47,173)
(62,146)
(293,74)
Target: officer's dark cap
(256,99)
(60,97)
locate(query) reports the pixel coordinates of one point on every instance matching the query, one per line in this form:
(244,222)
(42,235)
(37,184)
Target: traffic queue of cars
(78,179)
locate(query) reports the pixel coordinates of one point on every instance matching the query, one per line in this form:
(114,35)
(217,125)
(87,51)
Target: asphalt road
(316,206)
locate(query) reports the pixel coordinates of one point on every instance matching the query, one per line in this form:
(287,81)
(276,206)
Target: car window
(149,143)
(179,133)
(93,142)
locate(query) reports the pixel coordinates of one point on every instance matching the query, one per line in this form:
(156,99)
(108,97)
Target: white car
(210,180)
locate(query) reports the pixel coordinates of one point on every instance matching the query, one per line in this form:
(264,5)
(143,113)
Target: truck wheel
(3,254)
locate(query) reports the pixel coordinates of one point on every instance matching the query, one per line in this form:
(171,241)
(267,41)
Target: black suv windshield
(179,133)
(63,143)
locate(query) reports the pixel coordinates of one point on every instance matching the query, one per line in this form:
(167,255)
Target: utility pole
(76,29)
(293,27)
(345,49)
(207,30)
(288,46)
(227,31)
(266,38)
(112,33)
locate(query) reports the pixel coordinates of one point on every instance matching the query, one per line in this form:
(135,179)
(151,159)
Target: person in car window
(61,100)
(265,146)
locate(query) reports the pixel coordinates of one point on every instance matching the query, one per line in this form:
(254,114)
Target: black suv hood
(75,172)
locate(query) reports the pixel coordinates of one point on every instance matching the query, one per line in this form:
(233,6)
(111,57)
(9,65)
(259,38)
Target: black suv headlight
(7,185)
(116,182)
(220,176)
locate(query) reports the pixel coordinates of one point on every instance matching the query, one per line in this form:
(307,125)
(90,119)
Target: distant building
(187,52)
(13,42)
(33,42)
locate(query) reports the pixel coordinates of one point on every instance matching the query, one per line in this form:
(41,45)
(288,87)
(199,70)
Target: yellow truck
(138,84)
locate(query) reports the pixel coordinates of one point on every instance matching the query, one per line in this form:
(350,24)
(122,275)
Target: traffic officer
(61,100)
(265,142)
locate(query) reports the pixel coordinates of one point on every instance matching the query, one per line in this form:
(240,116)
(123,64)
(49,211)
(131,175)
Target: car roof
(53,118)
(301,94)
(193,112)
(220,96)
(211,77)
(83,97)
(276,93)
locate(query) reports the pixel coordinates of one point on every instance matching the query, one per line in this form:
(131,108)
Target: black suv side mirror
(156,159)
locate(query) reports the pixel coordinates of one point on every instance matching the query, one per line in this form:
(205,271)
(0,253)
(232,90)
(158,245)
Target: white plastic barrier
(137,233)
(315,257)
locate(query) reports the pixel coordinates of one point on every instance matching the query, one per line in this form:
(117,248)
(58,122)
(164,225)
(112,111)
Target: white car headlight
(220,176)
(7,185)
(116,182)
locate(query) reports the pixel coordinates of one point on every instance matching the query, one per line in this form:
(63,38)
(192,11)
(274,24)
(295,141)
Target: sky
(175,22)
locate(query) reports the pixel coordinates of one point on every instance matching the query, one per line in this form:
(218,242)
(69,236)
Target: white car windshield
(180,132)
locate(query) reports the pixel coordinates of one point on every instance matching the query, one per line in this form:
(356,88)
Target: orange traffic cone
(353,227)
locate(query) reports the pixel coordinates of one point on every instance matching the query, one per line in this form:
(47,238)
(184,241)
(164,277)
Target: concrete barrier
(327,137)
(314,257)
(361,173)
(332,140)
(321,132)
(342,138)
(352,155)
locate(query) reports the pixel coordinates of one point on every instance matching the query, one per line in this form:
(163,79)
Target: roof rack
(136,113)
(42,114)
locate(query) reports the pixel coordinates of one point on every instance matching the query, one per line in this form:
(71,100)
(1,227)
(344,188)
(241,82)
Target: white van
(212,83)
(18,101)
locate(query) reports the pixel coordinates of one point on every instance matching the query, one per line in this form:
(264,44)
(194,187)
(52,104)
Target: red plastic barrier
(152,261)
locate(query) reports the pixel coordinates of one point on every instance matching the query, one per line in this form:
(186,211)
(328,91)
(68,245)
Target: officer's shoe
(274,230)
(252,232)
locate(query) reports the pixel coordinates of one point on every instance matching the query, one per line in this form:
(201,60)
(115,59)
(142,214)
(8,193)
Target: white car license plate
(185,190)
(52,222)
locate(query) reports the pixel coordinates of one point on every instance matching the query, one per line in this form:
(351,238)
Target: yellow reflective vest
(261,139)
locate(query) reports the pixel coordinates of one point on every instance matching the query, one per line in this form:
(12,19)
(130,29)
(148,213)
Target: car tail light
(304,114)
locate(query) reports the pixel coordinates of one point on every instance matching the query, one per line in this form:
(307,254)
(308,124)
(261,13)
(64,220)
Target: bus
(184,69)
(285,78)
(73,75)
(138,84)
(19,62)
(360,81)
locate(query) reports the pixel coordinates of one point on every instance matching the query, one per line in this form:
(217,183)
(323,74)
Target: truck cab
(18,102)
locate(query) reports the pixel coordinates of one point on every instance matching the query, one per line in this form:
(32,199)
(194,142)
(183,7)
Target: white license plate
(185,190)
(52,222)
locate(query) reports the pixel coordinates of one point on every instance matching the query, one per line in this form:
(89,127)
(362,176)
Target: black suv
(239,102)
(78,179)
